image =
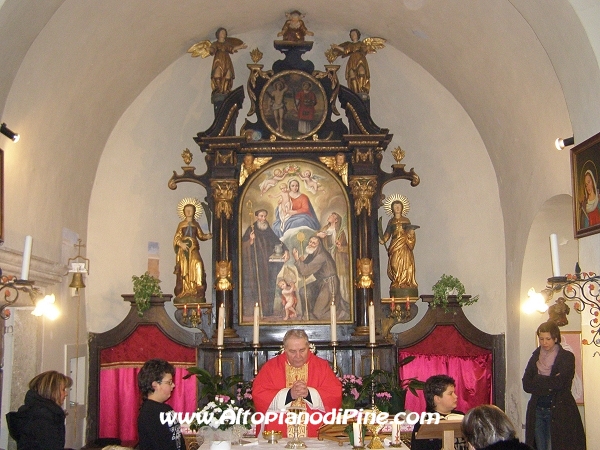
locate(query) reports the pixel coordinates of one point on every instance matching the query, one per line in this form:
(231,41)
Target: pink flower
(223,398)
(355,393)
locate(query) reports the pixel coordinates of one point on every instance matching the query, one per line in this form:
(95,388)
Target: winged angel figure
(222,73)
(358,77)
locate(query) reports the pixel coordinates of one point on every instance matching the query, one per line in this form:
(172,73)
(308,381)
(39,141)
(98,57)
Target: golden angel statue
(294,29)
(189,267)
(358,77)
(222,73)
(250,165)
(401,235)
(337,164)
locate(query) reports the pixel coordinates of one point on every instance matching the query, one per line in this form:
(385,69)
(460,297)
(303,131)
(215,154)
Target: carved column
(223,192)
(363,188)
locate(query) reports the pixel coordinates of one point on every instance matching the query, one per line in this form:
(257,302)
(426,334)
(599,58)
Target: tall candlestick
(371,323)
(26,258)
(333,322)
(220,325)
(554,255)
(255,335)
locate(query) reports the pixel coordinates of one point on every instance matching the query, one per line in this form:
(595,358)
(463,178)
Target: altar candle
(26,258)
(357,435)
(554,255)
(255,335)
(333,323)
(184,310)
(396,433)
(371,323)
(220,324)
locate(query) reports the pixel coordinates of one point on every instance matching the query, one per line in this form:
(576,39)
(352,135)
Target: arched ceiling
(72,67)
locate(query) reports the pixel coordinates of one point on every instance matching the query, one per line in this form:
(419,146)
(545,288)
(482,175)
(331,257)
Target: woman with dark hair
(40,422)
(155,381)
(553,420)
(486,427)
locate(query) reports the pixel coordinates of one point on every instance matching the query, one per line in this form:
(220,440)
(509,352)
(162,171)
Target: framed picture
(296,245)
(585,162)
(571,341)
(293,104)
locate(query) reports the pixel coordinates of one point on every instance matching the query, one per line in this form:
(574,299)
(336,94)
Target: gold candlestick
(220,361)
(255,358)
(334,344)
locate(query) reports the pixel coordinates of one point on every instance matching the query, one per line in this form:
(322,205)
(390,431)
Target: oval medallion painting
(293,105)
(296,245)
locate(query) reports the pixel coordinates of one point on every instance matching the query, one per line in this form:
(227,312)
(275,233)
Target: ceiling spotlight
(9,133)
(562,143)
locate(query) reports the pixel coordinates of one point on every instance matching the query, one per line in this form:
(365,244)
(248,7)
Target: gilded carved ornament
(363,189)
(223,192)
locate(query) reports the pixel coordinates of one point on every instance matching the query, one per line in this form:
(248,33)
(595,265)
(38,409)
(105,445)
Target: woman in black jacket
(40,422)
(552,420)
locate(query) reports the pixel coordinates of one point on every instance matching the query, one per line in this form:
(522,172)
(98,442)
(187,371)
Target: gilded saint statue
(294,29)
(222,73)
(401,236)
(358,77)
(190,285)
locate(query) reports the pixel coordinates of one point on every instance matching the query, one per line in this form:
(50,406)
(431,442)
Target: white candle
(396,433)
(357,435)
(333,322)
(26,258)
(371,323)
(220,324)
(554,255)
(255,335)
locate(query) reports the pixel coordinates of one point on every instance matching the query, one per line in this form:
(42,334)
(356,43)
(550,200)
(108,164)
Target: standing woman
(553,421)
(40,422)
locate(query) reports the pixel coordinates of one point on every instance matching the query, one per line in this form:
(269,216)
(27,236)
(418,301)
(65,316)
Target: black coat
(512,444)
(38,425)
(566,428)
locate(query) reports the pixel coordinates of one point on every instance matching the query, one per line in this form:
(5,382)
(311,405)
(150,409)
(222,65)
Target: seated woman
(40,422)
(486,427)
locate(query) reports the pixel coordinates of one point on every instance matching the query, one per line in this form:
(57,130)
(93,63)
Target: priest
(299,379)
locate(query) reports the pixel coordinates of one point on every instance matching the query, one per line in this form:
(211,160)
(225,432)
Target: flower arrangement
(220,414)
(352,387)
(387,391)
(447,285)
(243,395)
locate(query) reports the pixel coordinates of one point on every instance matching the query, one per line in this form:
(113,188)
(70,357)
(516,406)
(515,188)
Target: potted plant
(145,287)
(389,390)
(448,285)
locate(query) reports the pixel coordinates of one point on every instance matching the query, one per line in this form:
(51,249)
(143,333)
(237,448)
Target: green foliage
(449,285)
(145,287)
(213,385)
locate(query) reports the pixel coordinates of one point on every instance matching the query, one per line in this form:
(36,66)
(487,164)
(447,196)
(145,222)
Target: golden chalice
(374,427)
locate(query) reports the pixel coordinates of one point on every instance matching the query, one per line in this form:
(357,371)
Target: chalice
(374,427)
(296,407)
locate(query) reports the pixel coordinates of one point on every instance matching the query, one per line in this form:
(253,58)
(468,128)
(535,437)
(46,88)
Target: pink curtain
(446,351)
(473,376)
(120,400)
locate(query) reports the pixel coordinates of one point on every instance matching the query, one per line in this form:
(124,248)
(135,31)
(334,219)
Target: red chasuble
(272,379)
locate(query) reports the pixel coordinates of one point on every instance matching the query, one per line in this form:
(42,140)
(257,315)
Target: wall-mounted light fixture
(562,143)
(582,288)
(9,133)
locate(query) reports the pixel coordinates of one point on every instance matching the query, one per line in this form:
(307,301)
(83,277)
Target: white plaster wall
(456,204)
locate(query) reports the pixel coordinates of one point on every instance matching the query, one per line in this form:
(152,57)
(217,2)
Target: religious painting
(571,341)
(296,245)
(293,104)
(585,161)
